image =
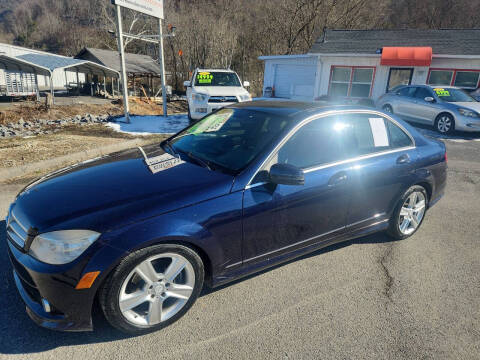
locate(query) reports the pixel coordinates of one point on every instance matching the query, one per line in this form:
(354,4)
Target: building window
(453,77)
(466,79)
(347,81)
(440,77)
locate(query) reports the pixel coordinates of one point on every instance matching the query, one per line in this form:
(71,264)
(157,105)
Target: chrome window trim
(326,114)
(362,157)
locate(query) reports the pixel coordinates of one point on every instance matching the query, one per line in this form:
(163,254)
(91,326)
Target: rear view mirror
(246,84)
(286,174)
(429,99)
(186,83)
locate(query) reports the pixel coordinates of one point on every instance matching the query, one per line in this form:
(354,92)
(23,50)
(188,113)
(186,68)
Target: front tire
(152,288)
(409,213)
(445,124)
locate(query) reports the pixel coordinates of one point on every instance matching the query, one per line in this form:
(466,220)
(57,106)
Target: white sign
(150,7)
(380,136)
(162,162)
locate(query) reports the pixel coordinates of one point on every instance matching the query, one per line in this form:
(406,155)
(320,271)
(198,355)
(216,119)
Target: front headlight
(61,247)
(468,112)
(245,97)
(199,97)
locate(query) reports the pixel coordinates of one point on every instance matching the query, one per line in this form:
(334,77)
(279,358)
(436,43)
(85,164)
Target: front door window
(399,76)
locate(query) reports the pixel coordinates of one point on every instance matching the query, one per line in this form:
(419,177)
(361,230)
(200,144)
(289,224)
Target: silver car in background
(446,108)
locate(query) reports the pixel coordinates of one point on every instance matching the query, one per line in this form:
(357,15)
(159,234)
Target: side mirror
(246,84)
(429,99)
(187,84)
(286,174)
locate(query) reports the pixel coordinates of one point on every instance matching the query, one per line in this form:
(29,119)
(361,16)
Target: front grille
(223,99)
(17,232)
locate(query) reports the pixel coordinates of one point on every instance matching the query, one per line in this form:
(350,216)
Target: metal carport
(58,63)
(13,63)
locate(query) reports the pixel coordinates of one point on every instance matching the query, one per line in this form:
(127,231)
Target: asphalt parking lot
(371,298)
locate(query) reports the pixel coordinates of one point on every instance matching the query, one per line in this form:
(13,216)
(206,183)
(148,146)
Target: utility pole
(126,106)
(161,60)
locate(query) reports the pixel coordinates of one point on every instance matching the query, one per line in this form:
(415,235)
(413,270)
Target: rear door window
(407,91)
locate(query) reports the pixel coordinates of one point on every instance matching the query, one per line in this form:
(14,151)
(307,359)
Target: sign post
(153,8)
(126,105)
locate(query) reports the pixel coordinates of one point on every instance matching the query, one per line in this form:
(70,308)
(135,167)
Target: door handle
(403,159)
(338,179)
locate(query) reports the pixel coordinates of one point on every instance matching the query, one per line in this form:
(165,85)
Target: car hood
(221,90)
(469,105)
(115,190)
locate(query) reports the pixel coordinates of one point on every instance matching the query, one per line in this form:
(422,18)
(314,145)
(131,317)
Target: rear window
(398,138)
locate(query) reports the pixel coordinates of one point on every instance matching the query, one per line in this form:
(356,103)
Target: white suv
(211,89)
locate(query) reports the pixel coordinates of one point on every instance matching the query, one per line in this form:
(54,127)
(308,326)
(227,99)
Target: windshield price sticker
(162,162)
(204,78)
(213,123)
(442,92)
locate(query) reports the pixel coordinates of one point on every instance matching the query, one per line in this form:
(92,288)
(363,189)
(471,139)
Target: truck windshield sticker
(442,92)
(204,78)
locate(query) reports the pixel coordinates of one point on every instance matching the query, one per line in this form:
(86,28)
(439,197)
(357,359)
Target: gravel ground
(366,299)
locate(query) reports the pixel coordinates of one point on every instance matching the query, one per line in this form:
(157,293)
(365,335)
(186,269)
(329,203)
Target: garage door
(294,81)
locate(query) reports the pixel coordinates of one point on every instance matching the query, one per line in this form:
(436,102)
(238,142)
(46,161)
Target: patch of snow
(147,125)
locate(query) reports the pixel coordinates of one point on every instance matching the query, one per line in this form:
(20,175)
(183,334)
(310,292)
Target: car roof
(428,86)
(294,108)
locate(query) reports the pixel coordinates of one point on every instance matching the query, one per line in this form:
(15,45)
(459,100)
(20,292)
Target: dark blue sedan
(245,188)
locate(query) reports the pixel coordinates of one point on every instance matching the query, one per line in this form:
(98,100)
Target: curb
(65,160)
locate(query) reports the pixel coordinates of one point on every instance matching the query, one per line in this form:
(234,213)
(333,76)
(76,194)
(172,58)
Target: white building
(26,72)
(361,64)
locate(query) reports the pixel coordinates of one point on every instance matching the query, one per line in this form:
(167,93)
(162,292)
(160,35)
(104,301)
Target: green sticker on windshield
(204,78)
(442,92)
(212,123)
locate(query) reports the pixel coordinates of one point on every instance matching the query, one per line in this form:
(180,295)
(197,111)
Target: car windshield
(229,139)
(206,78)
(453,95)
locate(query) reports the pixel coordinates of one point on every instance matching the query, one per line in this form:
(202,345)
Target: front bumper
(466,123)
(199,110)
(70,308)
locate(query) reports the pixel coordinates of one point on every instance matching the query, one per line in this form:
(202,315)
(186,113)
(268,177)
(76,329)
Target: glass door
(399,76)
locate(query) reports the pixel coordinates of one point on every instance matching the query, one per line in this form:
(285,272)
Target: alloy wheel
(156,289)
(444,124)
(412,212)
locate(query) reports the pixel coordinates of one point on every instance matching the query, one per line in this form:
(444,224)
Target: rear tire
(189,114)
(409,213)
(147,291)
(445,124)
(388,109)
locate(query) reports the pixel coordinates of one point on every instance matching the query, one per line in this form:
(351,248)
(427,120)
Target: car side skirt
(269,263)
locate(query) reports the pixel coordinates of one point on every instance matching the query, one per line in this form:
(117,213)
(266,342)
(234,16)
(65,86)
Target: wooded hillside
(220,33)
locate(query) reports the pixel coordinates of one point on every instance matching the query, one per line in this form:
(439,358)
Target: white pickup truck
(211,89)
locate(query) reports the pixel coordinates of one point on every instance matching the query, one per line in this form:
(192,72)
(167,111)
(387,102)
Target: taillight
(446,157)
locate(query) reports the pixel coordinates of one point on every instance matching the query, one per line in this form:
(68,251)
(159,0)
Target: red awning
(406,56)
